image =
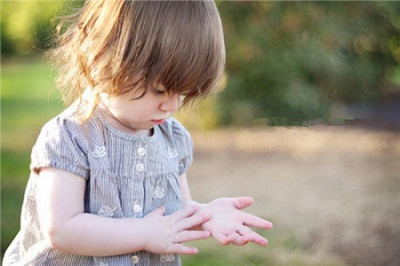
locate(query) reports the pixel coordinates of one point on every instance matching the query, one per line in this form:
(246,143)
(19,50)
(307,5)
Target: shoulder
(62,129)
(64,123)
(62,144)
(182,142)
(175,129)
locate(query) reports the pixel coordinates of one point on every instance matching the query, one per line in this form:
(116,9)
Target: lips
(158,121)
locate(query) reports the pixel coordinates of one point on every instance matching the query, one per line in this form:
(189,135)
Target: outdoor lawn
(332,192)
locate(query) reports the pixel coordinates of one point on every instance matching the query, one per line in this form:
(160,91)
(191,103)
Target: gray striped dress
(127,176)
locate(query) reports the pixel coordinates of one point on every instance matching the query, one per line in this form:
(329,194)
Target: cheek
(140,109)
(116,106)
(119,108)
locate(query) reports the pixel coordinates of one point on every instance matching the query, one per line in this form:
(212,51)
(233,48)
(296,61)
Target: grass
(28,99)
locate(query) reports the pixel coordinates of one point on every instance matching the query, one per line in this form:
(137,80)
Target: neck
(118,124)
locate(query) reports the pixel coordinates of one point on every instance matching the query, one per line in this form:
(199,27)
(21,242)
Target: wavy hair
(114,46)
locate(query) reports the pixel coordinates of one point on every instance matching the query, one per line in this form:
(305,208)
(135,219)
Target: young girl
(108,179)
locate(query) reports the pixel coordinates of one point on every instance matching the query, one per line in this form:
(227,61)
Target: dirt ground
(337,188)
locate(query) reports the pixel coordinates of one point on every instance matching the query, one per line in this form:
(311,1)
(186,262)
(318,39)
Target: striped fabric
(127,176)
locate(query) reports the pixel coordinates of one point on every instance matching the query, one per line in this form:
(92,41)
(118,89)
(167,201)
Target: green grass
(28,99)
(284,249)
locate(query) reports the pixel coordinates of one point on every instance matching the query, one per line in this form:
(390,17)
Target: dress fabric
(127,175)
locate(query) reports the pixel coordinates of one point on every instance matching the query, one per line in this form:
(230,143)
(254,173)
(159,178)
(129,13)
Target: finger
(195,220)
(182,249)
(222,239)
(251,236)
(232,238)
(259,240)
(240,241)
(245,234)
(242,202)
(159,211)
(254,221)
(243,237)
(186,236)
(185,212)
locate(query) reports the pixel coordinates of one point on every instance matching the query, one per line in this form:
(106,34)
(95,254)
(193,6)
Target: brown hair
(114,46)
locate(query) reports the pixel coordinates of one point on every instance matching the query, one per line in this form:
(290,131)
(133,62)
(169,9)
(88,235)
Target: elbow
(61,234)
(55,237)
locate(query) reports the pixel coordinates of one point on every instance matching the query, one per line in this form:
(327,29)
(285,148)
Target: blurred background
(306,120)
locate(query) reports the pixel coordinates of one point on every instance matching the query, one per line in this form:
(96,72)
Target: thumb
(242,202)
(159,211)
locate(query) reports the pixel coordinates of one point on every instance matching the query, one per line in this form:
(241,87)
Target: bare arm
(60,199)
(185,191)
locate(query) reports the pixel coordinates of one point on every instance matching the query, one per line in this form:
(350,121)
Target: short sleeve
(61,144)
(184,145)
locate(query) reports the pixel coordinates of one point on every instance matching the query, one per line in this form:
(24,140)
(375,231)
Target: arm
(60,199)
(228,224)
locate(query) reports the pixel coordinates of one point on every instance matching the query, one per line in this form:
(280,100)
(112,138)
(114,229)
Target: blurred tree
(288,61)
(26,25)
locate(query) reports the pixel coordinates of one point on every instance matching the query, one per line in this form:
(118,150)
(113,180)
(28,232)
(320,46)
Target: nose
(171,103)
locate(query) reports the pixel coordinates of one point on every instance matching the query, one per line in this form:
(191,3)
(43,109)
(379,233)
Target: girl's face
(132,113)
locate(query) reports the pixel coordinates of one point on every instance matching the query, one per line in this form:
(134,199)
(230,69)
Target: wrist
(189,203)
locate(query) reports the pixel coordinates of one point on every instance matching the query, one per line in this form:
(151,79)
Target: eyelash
(159,91)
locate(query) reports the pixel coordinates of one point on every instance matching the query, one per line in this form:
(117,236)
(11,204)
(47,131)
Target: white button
(141,152)
(135,259)
(139,167)
(136,207)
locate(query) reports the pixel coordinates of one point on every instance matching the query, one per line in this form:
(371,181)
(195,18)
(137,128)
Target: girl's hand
(231,225)
(164,234)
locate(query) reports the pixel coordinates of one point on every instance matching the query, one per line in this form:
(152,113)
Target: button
(139,167)
(135,259)
(136,207)
(141,152)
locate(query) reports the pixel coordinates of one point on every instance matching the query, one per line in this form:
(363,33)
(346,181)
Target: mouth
(158,121)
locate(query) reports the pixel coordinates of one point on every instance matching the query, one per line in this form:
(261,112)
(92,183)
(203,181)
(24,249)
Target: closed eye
(159,91)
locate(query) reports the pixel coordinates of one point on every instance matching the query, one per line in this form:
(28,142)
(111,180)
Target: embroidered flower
(158,193)
(100,151)
(167,257)
(172,152)
(106,211)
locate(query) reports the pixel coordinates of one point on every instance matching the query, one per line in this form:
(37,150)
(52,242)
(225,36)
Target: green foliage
(26,26)
(288,61)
